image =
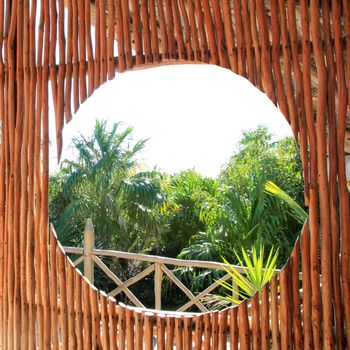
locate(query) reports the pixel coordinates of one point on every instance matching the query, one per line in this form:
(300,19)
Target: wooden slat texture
(297,52)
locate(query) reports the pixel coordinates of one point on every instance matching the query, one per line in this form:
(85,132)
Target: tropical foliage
(256,273)
(188,193)
(248,208)
(134,208)
(104,183)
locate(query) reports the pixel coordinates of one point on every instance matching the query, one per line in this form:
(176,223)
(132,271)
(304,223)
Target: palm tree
(236,221)
(104,183)
(188,190)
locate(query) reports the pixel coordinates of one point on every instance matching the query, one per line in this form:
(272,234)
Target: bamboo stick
(299,90)
(343,100)
(233,328)
(187,334)
(285,310)
(265,318)
(170,28)
(104,320)
(243,326)
(61,78)
(240,41)
(256,41)
(75,57)
(248,41)
(306,284)
(82,51)
(112,318)
(209,25)
(296,321)
(146,32)
(90,55)
(170,324)
(194,33)
(223,318)
(97,45)
(68,63)
(198,332)
(37,179)
(202,32)
(87,315)
(103,42)
(130,331)
(148,331)
(138,330)
(265,46)
(54,288)
(187,29)
(44,225)
(95,319)
(63,298)
(53,40)
(18,195)
(313,214)
(207,333)
(256,333)
(287,73)
(275,333)
(220,34)
(275,60)
(332,146)
(24,183)
(229,34)
(137,29)
(121,327)
(163,30)
(154,31)
(110,39)
(178,30)
(326,277)
(31,225)
(79,320)
(179,333)
(215,330)
(160,331)
(120,36)
(72,339)
(127,32)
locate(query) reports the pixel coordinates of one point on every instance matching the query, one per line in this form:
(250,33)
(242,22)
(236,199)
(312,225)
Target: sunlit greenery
(257,200)
(256,272)
(104,184)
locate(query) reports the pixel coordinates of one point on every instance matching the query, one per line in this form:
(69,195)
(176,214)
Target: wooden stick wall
(68,48)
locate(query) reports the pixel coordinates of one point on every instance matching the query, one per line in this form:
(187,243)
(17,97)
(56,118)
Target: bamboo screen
(296,51)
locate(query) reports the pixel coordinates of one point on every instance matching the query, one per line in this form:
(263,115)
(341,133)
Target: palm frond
(295,209)
(256,273)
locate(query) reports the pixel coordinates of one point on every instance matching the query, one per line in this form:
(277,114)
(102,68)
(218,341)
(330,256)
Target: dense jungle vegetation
(186,215)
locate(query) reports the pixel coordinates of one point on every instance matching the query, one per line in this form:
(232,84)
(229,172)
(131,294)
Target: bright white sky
(193,114)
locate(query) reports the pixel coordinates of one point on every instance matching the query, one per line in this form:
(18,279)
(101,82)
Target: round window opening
(172,179)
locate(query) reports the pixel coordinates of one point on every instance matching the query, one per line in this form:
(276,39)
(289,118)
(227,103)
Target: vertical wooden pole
(89,241)
(160,332)
(148,332)
(158,275)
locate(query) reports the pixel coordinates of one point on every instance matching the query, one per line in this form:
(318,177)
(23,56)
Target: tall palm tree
(104,183)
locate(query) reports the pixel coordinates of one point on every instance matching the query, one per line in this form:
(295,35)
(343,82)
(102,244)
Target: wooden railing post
(158,276)
(235,291)
(89,241)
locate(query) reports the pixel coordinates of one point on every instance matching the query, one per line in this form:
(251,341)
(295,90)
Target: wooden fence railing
(160,266)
